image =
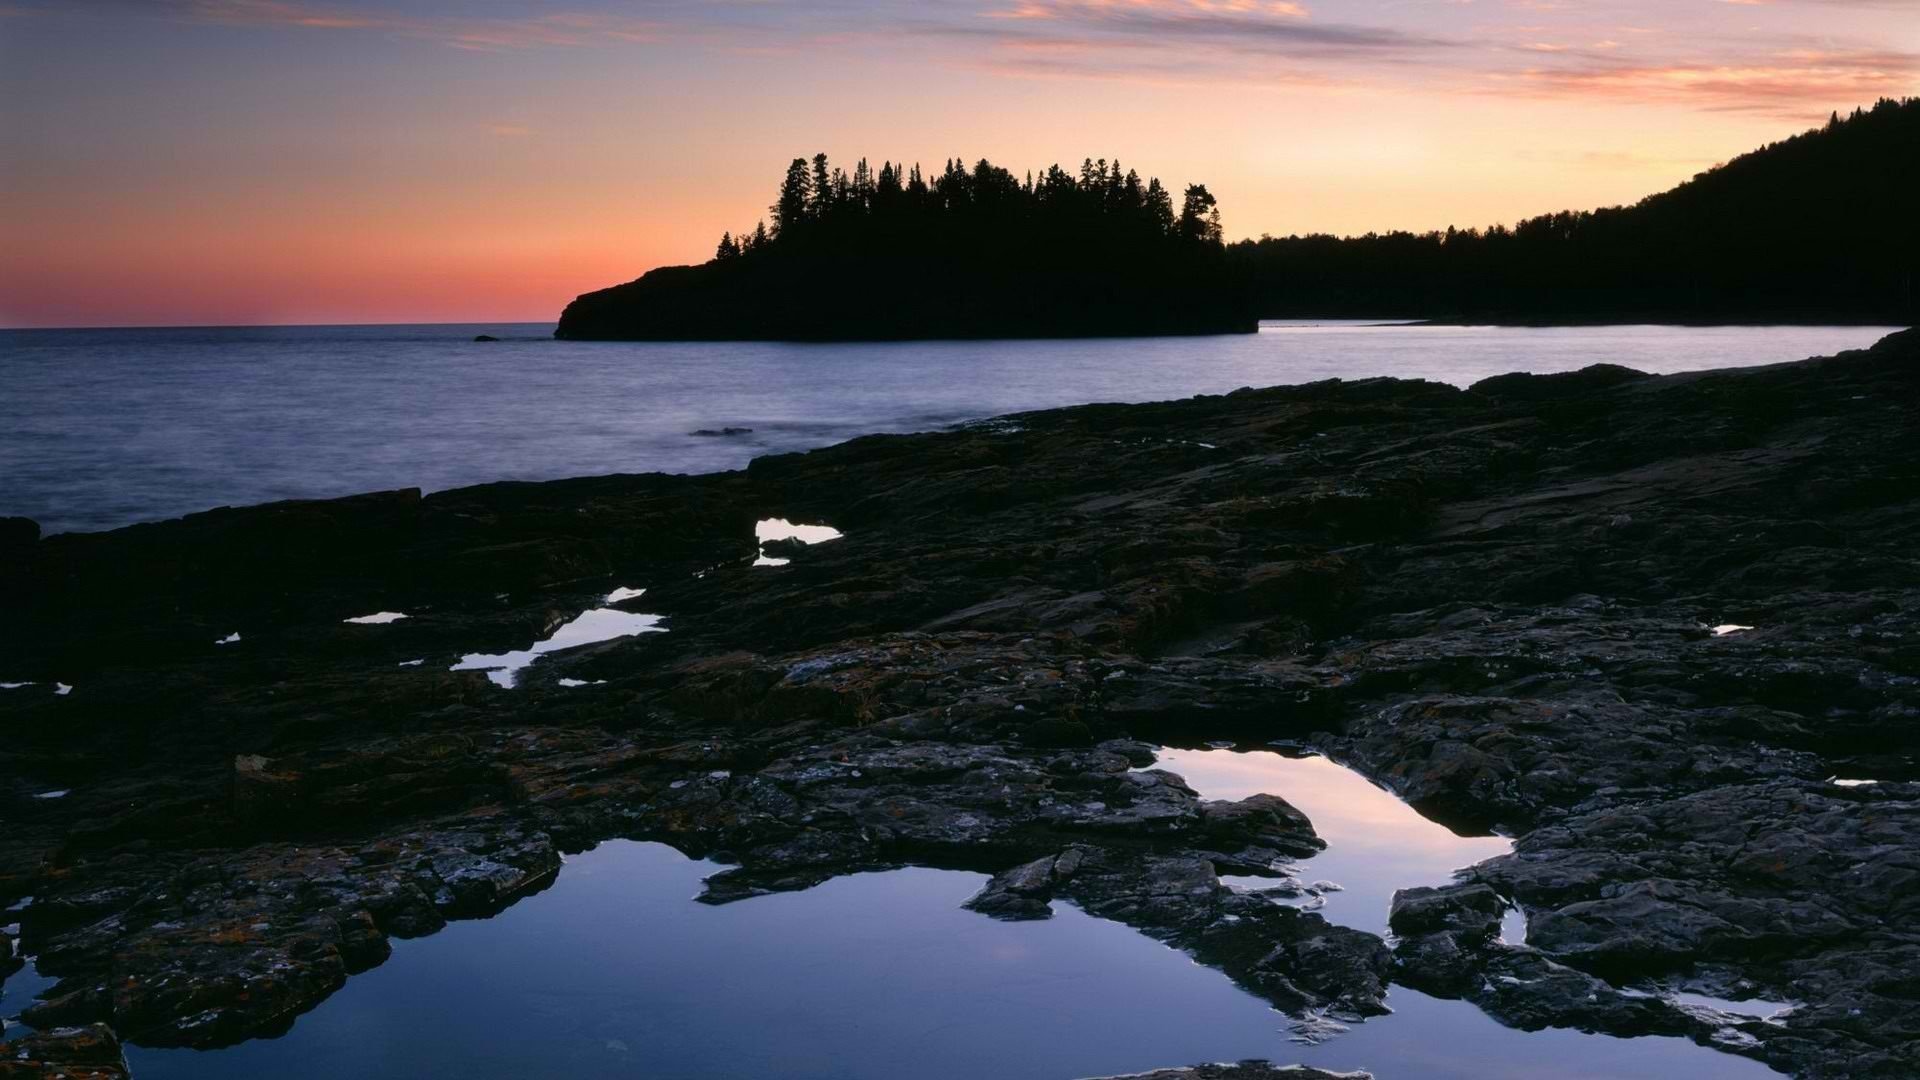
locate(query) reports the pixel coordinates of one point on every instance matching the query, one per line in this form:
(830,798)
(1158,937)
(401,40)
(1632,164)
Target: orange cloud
(1785,83)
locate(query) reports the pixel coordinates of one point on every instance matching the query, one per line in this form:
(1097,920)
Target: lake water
(616,972)
(102,428)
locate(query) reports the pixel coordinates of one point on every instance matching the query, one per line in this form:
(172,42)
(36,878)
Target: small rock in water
(720,433)
(1315,1028)
(485,337)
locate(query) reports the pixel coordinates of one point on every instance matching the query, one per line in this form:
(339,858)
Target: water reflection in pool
(768,530)
(615,972)
(587,628)
(1375,843)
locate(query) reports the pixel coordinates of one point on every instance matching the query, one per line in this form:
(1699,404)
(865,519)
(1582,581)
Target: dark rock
(485,337)
(17,534)
(721,433)
(66,1053)
(1470,910)
(1496,602)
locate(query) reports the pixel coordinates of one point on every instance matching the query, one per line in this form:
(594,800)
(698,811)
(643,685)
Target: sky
(220,162)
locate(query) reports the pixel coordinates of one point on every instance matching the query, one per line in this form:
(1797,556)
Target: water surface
(1376,844)
(102,428)
(615,972)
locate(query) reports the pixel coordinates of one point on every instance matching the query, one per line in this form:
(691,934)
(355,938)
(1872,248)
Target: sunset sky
(289,161)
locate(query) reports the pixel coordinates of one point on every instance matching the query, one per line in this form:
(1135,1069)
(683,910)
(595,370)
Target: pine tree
(796,196)
(1160,207)
(822,187)
(1199,216)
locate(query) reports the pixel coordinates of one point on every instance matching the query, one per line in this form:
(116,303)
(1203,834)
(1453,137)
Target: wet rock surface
(77,1053)
(1499,602)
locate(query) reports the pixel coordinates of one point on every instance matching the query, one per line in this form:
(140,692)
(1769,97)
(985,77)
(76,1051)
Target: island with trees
(895,253)
(1820,227)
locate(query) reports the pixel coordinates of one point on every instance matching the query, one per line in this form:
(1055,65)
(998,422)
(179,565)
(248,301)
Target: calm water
(1376,844)
(616,972)
(101,428)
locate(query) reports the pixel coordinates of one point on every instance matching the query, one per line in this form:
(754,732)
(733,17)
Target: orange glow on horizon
(238,161)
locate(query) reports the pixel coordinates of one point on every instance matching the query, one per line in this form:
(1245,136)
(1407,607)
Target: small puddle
(589,627)
(23,987)
(378,618)
(1729,628)
(230,639)
(1513,926)
(615,972)
(1841,782)
(623,594)
(1376,844)
(768,530)
(1759,1008)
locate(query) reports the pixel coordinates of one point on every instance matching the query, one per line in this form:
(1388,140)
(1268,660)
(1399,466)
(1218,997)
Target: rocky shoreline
(1501,602)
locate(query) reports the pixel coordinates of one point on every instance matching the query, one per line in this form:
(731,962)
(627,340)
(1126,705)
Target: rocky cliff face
(1511,604)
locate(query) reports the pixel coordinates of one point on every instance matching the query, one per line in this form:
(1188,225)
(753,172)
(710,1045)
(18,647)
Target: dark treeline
(1820,226)
(1824,225)
(981,252)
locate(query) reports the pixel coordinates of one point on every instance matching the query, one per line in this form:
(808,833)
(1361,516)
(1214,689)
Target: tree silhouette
(1199,216)
(1823,225)
(796,197)
(972,251)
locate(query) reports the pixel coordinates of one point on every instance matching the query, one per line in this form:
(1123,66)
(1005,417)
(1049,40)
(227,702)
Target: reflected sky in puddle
(1375,843)
(1759,1007)
(589,627)
(378,618)
(767,530)
(1729,628)
(23,986)
(616,972)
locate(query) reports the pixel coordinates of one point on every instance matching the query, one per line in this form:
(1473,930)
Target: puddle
(378,618)
(13,685)
(768,530)
(599,624)
(1839,782)
(412,663)
(230,639)
(622,594)
(61,794)
(22,988)
(615,972)
(571,683)
(1755,1007)
(1376,844)
(62,689)
(1513,926)
(1729,628)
